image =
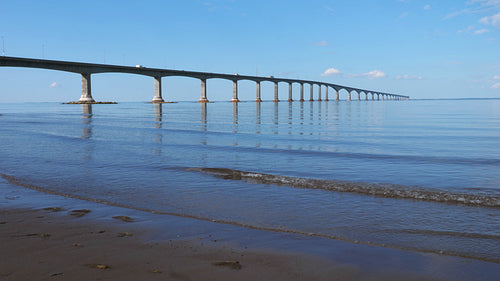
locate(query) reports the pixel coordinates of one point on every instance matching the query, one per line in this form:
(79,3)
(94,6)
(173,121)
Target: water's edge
(19,182)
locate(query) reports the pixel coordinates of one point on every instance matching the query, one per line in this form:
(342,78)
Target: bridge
(87,69)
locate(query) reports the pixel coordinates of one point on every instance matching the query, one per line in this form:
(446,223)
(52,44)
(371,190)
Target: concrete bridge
(87,69)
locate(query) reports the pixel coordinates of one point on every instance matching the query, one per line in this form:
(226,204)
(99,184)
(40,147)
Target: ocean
(418,175)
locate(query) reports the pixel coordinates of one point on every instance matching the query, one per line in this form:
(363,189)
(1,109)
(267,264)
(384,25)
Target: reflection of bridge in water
(87,69)
(243,119)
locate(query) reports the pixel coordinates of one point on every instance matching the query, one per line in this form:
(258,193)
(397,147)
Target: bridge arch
(86,70)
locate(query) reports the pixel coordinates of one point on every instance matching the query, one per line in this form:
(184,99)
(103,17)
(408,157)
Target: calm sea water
(416,175)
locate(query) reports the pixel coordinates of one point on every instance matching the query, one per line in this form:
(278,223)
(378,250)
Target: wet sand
(41,245)
(65,242)
(38,245)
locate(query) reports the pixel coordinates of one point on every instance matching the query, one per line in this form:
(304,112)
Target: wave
(373,189)
(441,233)
(234,174)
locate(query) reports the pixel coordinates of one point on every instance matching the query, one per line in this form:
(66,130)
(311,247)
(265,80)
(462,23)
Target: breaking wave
(372,189)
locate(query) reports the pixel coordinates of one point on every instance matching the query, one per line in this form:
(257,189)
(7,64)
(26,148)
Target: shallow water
(419,175)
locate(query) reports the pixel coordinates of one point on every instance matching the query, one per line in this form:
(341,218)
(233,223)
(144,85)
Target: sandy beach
(61,244)
(52,237)
(38,245)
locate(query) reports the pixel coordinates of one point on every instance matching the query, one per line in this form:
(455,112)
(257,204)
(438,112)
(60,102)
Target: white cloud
(485,21)
(375,74)
(54,85)
(491,20)
(496,86)
(409,77)
(496,77)
(473,30)
(481,31)
(402,16)
(487,3)
(331,72)
(468,29)
(427,7)
(330,9)
(476,6)
(321,43)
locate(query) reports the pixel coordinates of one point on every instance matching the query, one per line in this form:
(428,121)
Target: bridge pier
(87,70)
(203,91)
(257,94)
(86,89)
(276,99)
(290,99)
(337,95)
(301,91)
(349,96)
(235,91)
(157,97)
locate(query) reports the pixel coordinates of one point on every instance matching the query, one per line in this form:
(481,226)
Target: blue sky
(424,49)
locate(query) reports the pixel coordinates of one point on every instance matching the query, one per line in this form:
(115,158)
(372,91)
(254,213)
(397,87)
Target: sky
(420,48)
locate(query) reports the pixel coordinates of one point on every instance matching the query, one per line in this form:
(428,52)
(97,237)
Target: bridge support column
(349,96)
(366,96)
(373,96)
(157,97)
(86,89)
(319,93)
(301,91)
(257,94)
(235,91)
(359,96)
(276,99)
(337,95)
(290,99)
(203,91)
(326,94)
(311,98)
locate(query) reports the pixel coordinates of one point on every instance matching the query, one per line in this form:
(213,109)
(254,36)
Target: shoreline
(45,246)
(41,243)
